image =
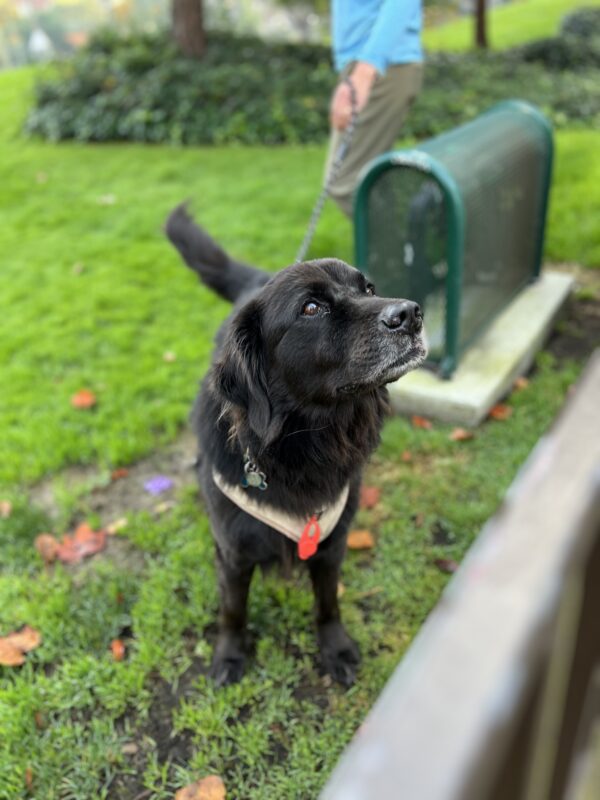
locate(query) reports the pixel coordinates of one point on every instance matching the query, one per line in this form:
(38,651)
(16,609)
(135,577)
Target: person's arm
(362,77)
(393,16)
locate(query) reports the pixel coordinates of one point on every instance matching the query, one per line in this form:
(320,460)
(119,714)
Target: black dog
(287,416)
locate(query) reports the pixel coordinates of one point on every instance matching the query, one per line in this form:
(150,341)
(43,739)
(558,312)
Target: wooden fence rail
(498,698)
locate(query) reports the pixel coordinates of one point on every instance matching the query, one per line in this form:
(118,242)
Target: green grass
(67,714)
(70,710)
(508,25)
(105,323)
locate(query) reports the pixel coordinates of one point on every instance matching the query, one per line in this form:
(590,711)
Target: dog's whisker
(305,430)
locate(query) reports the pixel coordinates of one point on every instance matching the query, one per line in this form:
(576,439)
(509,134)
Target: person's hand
(362,77)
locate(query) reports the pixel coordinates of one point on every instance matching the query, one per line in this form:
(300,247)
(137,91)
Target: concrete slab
(489,368)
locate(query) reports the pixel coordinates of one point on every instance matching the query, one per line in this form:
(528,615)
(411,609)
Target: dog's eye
(369,289)
(310,309)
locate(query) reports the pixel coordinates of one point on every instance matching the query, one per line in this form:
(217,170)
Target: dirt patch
(156,735)
(577,333)
(111,499)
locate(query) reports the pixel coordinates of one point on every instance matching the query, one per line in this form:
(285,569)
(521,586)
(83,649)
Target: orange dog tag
(309,541)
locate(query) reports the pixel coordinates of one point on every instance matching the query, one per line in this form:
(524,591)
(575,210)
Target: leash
(341,154)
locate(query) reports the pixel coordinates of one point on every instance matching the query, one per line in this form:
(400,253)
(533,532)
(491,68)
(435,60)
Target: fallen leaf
(421,422)
(446,565)
(40,722)
(77,268)
(158,484)
(521,383)
(209,788)
(369,496)
(5,509)
(47,546)
(418,520)
(10,656)
(28,778)
(120,472)
(461,435)
(500,412)
(406,456)
(129,749)
(341,589)
(14,646)
(117,649)
(360,540)
(166,505)
(169,356)
(84,398)
(82,543)
(116,526)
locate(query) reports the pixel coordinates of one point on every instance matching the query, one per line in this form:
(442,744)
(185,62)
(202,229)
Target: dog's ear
(241,373)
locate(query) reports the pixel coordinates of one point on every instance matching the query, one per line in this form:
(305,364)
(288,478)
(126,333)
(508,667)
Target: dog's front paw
(340,655)
(228,662)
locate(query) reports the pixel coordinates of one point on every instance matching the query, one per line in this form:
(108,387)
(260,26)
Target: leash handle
(336,164)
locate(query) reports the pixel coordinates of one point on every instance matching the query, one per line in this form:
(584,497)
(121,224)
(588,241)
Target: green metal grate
(457,224)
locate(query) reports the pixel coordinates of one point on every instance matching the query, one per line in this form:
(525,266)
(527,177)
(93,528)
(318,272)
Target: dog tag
(309,542)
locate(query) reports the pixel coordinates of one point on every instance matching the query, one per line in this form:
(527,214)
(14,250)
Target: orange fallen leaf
(421,422)
(82,543)
(521,383)
(500,412)
(84,398)
(369,496)
(461,435)
(47,546)
(360,540)
(118,649)
(120,472)
(446,565)
(28,778)
(209,788)
(5,509)
(406,456)
(14,646)
(10,656)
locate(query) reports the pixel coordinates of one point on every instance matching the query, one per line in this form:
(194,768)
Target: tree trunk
(481,39)
(188,27)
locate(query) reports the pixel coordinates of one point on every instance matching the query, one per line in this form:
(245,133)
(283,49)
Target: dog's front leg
(339,653)
(229,657)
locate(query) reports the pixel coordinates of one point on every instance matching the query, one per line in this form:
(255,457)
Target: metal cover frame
(422,161)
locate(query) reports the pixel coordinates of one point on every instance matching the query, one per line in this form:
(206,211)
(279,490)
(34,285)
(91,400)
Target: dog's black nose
(405,317)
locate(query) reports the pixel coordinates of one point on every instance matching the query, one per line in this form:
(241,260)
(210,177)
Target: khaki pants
(377,127)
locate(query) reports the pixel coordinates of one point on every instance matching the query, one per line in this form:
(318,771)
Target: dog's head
(315,335)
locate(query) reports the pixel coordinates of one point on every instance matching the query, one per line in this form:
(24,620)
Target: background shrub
(139,88)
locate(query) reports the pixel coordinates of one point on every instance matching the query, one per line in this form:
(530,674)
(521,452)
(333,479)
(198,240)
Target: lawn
(93,297)
(508,25)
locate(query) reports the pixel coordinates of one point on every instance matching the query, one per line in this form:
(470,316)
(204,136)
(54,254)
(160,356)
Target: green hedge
(247,91)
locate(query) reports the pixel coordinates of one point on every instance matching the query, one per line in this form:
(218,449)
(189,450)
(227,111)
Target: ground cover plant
(94,299)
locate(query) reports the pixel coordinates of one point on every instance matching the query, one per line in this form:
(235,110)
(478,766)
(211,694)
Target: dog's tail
(214,267)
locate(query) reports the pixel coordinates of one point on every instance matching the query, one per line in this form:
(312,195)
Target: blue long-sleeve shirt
(380,32)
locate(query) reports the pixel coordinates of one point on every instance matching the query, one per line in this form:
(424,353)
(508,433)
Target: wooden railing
(498,697)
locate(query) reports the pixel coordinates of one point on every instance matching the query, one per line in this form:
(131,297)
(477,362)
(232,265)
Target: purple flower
(158,484)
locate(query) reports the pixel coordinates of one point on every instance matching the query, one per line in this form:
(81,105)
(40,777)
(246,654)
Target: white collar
(291,526)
